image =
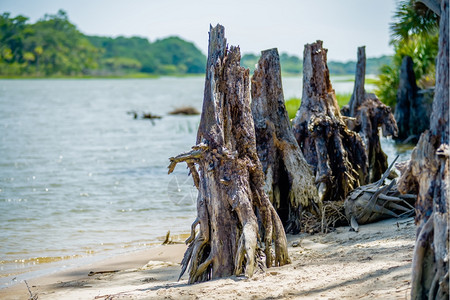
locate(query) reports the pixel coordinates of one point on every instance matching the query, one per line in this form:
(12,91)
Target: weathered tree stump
(413,108)
(231,201)
(336,153)
(289,179)
(428,174)
(369,115)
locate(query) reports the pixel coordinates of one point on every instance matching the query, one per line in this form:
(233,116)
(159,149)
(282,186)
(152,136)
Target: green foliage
(414,33)
(249,61)
(412,18)
(54,47)
(180,56)
(343,98)
(292,106)
(290,64)
(51,46)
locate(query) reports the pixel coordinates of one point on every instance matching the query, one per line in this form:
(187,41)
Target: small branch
(92,273)
(32,297)
(194,224)
(189,157)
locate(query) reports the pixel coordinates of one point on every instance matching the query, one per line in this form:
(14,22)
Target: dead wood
(369,115)
(377,201)
(289,181)
(413,108)
(428,173)
(185,110)
(232,206)
(336,153)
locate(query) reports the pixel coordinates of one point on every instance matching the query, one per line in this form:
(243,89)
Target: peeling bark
(289,179)
(231,205)
(428,173)
(336,153)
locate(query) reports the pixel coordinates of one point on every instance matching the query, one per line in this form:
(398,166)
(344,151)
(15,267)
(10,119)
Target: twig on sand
(32,297)
(92,273)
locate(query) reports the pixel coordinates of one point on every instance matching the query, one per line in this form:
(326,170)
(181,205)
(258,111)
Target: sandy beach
(371,264)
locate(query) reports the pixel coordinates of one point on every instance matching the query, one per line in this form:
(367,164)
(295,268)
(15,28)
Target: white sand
(372,264)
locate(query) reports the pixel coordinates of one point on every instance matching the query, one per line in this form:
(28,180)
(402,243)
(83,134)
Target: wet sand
(374,263)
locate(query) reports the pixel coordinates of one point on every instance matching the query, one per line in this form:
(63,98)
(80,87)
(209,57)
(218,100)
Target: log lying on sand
(336,153)
(231,205)
(369,115)
(376,201)
(289,179)
(428,173)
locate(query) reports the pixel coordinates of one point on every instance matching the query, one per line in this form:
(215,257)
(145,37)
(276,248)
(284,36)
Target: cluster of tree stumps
(258,177)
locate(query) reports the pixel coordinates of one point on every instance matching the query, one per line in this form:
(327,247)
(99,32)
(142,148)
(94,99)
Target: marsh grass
(292,104)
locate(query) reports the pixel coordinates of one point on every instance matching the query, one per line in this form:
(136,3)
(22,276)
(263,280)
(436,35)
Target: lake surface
(80,178)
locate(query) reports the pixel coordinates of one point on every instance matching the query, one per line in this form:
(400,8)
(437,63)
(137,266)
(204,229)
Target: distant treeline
(54,47)
(291,64)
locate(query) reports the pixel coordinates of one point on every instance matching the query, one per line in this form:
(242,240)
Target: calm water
(80,177)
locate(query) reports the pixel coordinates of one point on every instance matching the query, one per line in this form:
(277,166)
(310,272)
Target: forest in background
(53,47)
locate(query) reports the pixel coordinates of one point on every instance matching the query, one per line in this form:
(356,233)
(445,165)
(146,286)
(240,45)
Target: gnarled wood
(336,153)
(370,114)
(231,201)
(376,201)
(289,179)
(428,173)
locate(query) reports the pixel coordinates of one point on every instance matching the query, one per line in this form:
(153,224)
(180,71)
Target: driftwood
(289,179)
(413,108)
(336,153)
(428,174)
(376,201)
(369,115)
(185,110)
(231,205)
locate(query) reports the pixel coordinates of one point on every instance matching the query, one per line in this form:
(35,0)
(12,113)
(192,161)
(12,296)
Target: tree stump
(289,179)
(370,114)
(336,153)
(413,109)
(231,202)
(428,173)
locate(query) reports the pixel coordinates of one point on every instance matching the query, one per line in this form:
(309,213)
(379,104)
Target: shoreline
(125,261)
(374,263)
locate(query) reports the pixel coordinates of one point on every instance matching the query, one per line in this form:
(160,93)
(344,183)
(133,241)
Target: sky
(288,25)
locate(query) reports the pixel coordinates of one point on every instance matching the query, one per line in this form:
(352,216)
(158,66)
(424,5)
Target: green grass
(293,104)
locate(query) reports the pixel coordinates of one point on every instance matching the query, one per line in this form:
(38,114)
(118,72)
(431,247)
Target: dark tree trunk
(428,174)
(413,110)
(289,179)
(359,92)
(369,115)
(336,153)
(231,200)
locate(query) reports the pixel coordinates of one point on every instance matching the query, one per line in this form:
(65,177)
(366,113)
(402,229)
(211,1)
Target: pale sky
(256,25)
